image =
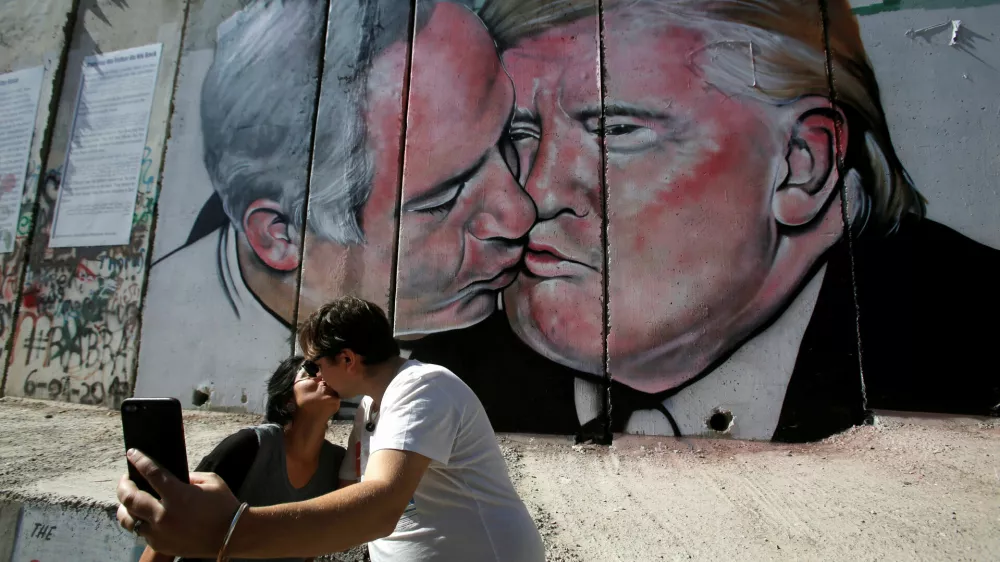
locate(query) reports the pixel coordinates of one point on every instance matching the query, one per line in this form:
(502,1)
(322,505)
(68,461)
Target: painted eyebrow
(449,184)
(618,109)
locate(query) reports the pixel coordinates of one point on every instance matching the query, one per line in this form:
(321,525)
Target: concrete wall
(77,328)
(40,31)
(648,220)
(41,532)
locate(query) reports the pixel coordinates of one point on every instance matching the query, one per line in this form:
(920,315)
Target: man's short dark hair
(349,323)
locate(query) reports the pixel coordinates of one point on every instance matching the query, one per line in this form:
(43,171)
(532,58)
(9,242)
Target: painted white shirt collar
(750,384)
(245,303)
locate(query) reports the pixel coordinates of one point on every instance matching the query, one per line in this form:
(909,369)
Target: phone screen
(155,427)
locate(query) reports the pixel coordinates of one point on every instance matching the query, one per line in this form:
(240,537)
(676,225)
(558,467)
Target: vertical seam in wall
(845,202)
(397,210)
(605,221)
(321,65)
(134,375)
(43,156)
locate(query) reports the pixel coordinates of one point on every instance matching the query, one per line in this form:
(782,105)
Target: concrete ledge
(59,468)
(52,531)
(904,488)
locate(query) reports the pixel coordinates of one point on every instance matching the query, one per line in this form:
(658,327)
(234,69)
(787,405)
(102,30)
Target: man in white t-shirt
(434,485)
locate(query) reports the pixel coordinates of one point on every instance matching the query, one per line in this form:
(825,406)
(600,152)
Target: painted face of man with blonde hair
(722,185)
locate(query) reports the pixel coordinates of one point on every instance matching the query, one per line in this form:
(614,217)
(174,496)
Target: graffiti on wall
(76,334)
(79,316)
(45,35)
(50,533)
(696,222)
(11,265)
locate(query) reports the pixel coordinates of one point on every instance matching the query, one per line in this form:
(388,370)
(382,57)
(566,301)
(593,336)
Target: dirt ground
(905,489)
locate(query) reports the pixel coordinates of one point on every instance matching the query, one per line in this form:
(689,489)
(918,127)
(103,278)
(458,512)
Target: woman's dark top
(252,463)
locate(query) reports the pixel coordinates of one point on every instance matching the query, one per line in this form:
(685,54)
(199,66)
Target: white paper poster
(101,174)
(18,108)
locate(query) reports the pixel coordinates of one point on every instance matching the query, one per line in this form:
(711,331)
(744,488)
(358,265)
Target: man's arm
(230,460)
(337,521)
(191,520)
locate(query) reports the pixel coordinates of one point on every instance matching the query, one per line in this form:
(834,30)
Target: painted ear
(811,162)
(270,235)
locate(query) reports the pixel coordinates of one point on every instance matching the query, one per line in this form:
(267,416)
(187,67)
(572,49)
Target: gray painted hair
(259,98)
(343,168)
(257,105)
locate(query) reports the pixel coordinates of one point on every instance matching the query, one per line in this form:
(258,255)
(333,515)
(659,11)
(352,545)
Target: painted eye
(621,129)
(519,133)
(624,133)
(439,205)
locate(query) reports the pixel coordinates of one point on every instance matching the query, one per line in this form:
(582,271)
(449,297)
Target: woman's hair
(281,393)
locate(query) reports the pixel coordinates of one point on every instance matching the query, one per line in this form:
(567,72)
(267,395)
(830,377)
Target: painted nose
(565,175)
(506,212)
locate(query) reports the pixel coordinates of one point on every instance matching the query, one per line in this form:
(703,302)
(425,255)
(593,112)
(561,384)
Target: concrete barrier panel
(78,324)
(34,34)
(51,533)
(501,257)
(921,135)
(236,181)
(10,512)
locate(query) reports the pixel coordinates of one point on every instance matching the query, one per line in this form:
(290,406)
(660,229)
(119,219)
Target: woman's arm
(232,458)
(150,555)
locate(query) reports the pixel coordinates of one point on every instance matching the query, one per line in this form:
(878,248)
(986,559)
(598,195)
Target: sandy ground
(904,489)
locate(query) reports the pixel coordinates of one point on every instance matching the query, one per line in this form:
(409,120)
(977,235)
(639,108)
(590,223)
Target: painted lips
(502,278)
(544,260)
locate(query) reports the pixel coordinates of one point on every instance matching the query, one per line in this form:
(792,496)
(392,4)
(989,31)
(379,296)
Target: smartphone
(155,427)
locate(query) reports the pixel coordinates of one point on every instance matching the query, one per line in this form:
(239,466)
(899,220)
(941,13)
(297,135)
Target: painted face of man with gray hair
(462,214)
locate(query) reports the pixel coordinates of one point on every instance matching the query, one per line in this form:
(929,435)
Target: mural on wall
(622,221)
(219,306)
(350,234)
(77,327)
(518,237)
(731,168)
(926,282)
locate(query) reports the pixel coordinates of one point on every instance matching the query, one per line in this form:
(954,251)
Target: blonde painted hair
(790,61)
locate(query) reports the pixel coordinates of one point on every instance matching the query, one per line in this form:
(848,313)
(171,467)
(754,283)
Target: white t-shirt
(465,507)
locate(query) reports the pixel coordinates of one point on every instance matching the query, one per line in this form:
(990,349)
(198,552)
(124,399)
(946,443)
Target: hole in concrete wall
(198,397)
(202,393)
(721,421)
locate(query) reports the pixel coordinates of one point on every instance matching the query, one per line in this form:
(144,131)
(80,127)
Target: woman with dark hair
(287,458)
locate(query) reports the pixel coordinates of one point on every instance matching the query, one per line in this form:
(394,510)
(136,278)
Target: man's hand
(189,520)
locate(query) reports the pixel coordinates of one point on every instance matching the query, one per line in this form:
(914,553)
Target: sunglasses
(310,368)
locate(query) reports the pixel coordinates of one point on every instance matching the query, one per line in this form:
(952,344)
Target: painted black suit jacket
(928,300)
